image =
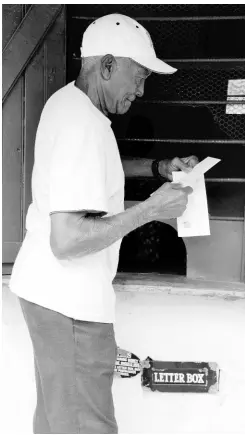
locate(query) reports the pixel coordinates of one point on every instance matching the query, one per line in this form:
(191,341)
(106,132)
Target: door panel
(12,172)
(43,75)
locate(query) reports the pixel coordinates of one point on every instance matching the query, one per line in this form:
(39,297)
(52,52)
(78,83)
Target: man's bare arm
(136,167)
(74,234)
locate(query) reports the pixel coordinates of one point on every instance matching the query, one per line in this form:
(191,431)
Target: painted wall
(161,326)
(176,328)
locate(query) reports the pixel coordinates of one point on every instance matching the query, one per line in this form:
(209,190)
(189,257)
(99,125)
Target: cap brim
(155,65)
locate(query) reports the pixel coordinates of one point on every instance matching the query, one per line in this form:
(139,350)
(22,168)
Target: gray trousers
(74,363)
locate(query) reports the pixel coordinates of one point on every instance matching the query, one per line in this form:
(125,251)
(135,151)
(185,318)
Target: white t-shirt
(77,167)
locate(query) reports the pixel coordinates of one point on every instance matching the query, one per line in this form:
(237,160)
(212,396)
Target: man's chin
(123,108)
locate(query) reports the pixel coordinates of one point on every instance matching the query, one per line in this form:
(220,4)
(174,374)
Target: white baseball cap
(122,36)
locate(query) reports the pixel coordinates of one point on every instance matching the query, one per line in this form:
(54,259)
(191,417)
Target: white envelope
(195,219)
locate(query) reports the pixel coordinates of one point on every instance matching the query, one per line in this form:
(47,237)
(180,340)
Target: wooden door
(34,67)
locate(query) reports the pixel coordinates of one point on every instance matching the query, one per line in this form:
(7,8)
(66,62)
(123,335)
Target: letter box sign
(180,377)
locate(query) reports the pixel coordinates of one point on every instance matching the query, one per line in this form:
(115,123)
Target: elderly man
(64,271)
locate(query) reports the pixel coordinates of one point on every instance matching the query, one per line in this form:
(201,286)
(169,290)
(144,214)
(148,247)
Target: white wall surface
(164,327)
(175,328)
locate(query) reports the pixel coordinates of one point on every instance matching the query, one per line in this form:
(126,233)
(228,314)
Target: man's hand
(186,164)
(168,202)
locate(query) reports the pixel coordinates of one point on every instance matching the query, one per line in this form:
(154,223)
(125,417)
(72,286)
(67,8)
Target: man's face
(126,83)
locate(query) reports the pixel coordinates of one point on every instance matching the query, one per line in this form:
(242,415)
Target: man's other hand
(186,164)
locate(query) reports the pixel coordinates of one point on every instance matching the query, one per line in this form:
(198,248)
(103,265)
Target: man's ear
(108,66)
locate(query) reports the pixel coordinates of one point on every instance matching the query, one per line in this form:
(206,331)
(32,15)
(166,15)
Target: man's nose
(140,90)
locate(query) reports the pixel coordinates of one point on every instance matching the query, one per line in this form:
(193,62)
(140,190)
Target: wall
(160,325)
(182,328)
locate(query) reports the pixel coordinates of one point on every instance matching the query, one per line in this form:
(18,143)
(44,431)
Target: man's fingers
(187,190)
(191,161)
(176,186)
(179,186)
(181,165)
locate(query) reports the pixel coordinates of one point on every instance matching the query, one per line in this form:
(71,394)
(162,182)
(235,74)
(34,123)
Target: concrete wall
(182,328)
(164,327)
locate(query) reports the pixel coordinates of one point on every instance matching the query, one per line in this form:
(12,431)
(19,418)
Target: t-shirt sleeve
(77,178)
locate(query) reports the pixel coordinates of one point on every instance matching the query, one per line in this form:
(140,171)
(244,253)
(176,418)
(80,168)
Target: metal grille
(225,199)
(172,38)
(197,86)
(192,84)
(232,125)
(156,10)
(183,39)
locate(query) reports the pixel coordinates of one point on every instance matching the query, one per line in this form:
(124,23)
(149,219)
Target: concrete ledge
(177,285)
(171,284)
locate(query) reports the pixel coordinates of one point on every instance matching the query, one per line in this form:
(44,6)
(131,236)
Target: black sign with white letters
(180,377)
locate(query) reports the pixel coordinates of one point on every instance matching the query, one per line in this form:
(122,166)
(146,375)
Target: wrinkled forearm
(135,167)
(87,235)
